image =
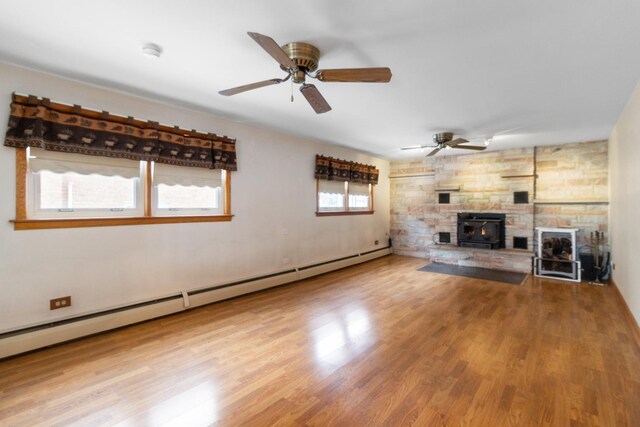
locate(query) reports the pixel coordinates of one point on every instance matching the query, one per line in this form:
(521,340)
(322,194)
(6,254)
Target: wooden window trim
(346,211)
(42,224)
(342,213)
(226,176)
(21,184)
(22,221)
(148,190)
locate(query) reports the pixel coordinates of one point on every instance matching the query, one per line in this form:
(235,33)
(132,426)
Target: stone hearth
(516,260)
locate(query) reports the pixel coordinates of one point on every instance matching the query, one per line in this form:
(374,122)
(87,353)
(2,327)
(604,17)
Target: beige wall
(624,172)
(273,202)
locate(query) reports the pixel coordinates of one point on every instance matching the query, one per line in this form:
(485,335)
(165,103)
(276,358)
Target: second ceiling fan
(445,140)
(300,60)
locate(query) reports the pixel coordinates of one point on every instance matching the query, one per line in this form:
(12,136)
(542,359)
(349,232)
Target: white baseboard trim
(34,338)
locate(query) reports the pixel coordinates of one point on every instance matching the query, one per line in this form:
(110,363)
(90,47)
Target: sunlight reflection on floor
(342,338)
(194,407)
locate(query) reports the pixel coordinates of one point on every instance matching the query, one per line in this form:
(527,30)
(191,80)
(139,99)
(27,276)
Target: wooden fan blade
(434,152)
(315,99)
(251,86)
(456,142)
(471,147)
(272,48)
(364,75)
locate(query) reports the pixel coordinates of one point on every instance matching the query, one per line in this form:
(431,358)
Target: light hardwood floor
(377,344)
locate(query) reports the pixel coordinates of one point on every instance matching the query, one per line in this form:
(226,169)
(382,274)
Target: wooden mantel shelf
(518,176)
(571,202)
(447,189)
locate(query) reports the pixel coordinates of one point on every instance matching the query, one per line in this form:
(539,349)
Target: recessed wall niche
(520,243)
(444,237)
(444,198)
(520,197)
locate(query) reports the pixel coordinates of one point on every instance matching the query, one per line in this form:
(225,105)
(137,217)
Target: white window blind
(60,163)
(177,175)
(359,196)
(331,195)
(187,191)
(332,187)
(64,185)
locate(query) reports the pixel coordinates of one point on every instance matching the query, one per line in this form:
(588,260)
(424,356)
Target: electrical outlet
(375,243)
(613,265)
(57,303)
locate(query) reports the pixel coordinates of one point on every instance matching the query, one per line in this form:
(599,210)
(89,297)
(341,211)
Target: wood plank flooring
(376,344)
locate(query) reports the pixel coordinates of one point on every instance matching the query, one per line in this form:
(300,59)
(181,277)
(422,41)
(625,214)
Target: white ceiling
(558,71)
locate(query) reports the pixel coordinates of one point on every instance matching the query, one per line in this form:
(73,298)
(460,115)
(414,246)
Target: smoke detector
(151,50)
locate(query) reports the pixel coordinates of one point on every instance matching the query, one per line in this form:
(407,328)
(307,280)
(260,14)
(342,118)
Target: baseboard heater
(34,337)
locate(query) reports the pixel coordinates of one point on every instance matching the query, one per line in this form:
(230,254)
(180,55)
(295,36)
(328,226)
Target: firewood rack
(556,255)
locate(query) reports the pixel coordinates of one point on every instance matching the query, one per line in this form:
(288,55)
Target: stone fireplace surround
(566,184)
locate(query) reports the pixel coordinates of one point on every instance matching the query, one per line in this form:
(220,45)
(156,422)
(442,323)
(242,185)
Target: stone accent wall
(482,189)
(416,214)
(573,188)
(573,176)
(413,204)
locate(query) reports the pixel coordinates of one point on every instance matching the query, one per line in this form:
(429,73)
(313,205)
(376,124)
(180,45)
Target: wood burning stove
(481,230)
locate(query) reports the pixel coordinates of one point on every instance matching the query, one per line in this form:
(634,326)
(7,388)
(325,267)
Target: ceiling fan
(445,140)
(300,60)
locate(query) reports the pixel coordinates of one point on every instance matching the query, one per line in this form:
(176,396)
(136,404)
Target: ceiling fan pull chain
(291,90)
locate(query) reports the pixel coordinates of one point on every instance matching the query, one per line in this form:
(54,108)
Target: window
(60,190)
(359,197)
(331,195)
(343,198)
(184,191)
(62,185)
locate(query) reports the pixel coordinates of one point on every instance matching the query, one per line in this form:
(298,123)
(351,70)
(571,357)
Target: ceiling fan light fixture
(487,141)
(299,60)
(445,141)
(152,50)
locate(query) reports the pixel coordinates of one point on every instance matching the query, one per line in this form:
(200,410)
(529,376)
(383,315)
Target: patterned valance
(343,170)
(40,123)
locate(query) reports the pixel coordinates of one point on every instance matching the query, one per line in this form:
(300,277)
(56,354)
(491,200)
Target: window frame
(22,220)
(346,211)
(34,183)
(165,212)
